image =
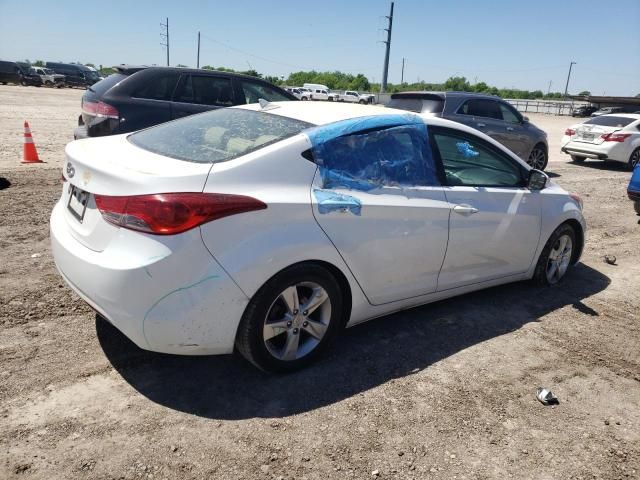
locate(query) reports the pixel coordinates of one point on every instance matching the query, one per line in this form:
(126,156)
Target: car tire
(23,83)
(634,159)
(538,157)
(556,256)
(274,323)
(48,83)
(578,158)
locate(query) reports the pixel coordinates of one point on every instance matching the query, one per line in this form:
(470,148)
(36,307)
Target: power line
(165,37)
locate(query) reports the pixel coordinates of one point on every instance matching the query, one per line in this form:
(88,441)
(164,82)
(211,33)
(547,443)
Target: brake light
(99,109)
(615,137)
(171,213)
(570,132)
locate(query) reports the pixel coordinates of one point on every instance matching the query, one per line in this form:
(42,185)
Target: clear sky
(522,44)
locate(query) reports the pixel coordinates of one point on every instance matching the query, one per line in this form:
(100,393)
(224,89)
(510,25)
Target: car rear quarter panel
(252,247)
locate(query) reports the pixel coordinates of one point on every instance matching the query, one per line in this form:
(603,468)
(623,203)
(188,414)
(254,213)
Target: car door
(484,115)
(377,197)
(515,138)
(150,101)
(198,93)
(494,227)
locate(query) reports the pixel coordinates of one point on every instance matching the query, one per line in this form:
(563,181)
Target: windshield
(48,71)
(218,135)
(91,74)
(610,121)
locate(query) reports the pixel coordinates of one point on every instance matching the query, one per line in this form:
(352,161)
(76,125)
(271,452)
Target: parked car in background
(583,111)
(75,75)
(633,190)
(138,97)
(606,137)
(49,77)
(295,91)
(28,77)
(305,93)
(318,91)
(267,229)
(491,115)
(10,72)
(607,111)
(351,96)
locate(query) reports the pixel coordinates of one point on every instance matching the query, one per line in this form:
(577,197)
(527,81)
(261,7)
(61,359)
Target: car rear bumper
(165,293)
(604,151)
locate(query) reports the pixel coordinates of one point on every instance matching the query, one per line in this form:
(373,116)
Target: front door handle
(510,129)
(481,125)
(465,210)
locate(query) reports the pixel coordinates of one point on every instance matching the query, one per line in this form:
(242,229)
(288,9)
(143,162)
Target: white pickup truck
(352,96)
(49,77)
(317,91)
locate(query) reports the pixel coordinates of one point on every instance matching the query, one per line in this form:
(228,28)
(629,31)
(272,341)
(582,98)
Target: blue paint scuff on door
(329,201)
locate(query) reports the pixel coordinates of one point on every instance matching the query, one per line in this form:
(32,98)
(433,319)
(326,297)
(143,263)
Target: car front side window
(509,114)
(470,161)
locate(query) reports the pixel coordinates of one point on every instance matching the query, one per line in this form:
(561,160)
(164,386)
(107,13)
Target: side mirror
(525,119)
(537,180)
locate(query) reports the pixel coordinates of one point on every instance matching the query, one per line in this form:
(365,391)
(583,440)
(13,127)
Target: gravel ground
(442,391)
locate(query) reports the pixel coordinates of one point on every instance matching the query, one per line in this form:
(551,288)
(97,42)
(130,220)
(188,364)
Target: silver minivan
(487,113)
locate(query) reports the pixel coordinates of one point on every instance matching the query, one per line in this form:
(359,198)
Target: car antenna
(266,105)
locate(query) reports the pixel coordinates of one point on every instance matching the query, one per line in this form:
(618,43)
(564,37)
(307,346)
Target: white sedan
(267,228)
(606,137)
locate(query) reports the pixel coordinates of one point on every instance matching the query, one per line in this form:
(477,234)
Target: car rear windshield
(101,87)
(218,135)
(418,105)
(610,121)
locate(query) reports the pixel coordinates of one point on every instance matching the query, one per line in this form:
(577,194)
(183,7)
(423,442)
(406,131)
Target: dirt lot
(443,391)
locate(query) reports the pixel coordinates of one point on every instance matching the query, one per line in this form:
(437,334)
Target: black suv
(75,75)
(487,113)
(139,97)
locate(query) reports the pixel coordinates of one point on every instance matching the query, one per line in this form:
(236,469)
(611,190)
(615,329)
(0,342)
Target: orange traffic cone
(30,153)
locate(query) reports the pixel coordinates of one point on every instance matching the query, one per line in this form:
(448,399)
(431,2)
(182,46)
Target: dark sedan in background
(138,97)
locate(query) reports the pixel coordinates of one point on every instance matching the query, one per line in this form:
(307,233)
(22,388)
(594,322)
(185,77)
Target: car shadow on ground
(363,357)
(604,165)
(4,183)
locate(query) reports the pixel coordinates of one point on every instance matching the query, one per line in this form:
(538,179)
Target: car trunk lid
(112,166)
(586,133)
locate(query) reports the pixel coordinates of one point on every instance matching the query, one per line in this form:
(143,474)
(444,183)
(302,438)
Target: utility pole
(385,71)
(402,75)
(549,89)
(165,36)
(566,88)
(198,61)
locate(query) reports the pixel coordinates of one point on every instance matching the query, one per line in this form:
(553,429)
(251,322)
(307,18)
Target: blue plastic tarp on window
(372,152)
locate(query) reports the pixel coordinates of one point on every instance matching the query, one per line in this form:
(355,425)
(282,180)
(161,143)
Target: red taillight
(99,109)
(570,132)
(171,213)
(615,137)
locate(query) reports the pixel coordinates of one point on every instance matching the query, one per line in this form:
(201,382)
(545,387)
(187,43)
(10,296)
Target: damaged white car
(268,228)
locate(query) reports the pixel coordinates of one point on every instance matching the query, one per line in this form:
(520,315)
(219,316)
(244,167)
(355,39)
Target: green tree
(458,84)
(181,65)
(585,93)
(38,63)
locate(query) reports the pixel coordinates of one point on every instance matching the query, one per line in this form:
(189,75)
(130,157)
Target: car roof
(131,69)
(322,113)
(635,116)
(427,95)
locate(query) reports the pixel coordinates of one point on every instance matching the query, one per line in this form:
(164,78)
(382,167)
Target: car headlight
(577,198)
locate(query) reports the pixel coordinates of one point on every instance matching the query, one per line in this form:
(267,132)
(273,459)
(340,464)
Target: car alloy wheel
(297,321)
(538,158)
(559,259)
(292,318)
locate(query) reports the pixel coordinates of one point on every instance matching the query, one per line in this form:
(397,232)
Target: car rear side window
(396,156)
(253,92)
(102,86)
(206,90)
(218,135)
(469,161)
(157,88)
(481,108)
(610,121)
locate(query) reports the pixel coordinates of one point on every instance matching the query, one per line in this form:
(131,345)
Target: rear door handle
(465,210)
(510,129)
(481,125)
